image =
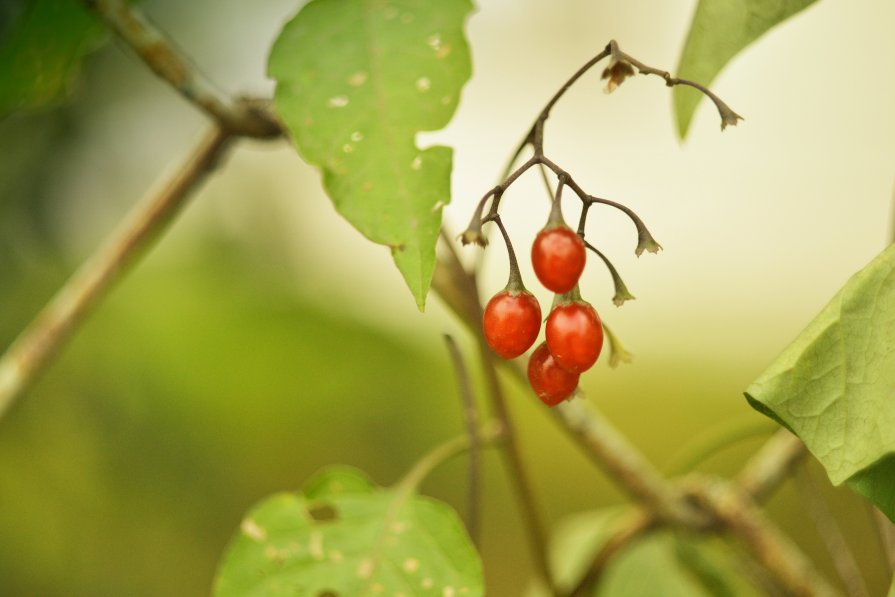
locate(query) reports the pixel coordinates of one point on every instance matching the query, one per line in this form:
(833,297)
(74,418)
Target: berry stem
(556,218)
(514,284)
(622,293)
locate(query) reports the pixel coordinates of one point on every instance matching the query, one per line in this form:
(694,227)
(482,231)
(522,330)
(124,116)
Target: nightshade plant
(356,81)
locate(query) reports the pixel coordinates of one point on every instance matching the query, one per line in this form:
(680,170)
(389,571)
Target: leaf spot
(335,555)
(390,13)
(445,100)
(410,565)
(323,512)
(427,583)
(315,546)
(438,205)
(252,530)
(464,590)
(448,592)
(338,101)
(377,588)
(357,136)
(365,568)
(357,79)
(367,186)
(407,18)
(417,163)
(423,84)
(434,41)
(347,148)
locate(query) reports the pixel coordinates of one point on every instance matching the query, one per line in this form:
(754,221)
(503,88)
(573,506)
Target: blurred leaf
(193,390)
(659,564)
(356,81)
(719,31)
(834,386)
(345,536)
(42,43)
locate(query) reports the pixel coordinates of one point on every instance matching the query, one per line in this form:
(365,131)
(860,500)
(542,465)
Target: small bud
(646,242)
(471,236)
(728,116)
(616,73)
(617,352)
(473,233)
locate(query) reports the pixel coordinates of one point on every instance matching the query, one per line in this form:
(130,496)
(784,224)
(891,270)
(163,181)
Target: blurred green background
(263,338)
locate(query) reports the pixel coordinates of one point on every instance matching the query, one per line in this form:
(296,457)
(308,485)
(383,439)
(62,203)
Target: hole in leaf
(323,512)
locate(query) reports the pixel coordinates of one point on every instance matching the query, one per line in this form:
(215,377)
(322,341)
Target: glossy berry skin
(511,322)
(551,383)
(574,336)
(558,256)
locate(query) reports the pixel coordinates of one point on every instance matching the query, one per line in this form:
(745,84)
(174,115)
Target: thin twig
(471,418)
(32,351)
(728,116)
(632,527)
(886,534)
(489,433)
(771,465)
(531,512)
(245,118)
(612,451)
(737,512)
(843,557)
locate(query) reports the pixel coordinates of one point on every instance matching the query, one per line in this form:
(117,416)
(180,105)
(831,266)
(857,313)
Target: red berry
(551,383)
(511,322)
(574,336)
(558,257)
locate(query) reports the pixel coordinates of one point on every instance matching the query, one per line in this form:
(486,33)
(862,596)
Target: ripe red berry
(558,256)
(551,383)
(511,322)
(574,336)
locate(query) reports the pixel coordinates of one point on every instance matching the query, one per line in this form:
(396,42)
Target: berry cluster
(512,318)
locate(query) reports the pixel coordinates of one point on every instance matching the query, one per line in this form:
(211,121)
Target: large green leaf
(345,536)
(356,81)
(42,43)
(834,386)
(719,31)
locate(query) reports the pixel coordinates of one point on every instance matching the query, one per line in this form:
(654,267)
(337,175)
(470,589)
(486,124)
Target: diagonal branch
(32,351)
(239,117)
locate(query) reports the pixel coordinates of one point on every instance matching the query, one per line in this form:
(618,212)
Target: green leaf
(42,43)
(661,564)
(719,31)
(834,386)
(343,536)
(356,81)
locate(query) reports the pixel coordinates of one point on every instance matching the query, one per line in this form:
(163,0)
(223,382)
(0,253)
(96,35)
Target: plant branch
(886,534)
(239,117)
(471,418)
(738,513)
(612,452)
(844,560)
(531,513)
(771,465)
(32,351)
(728,116)
(632,527)
(488,434)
